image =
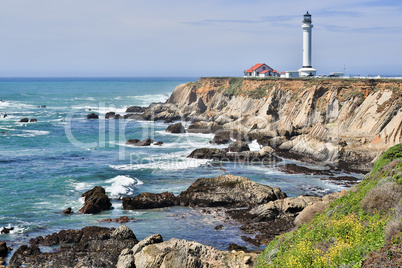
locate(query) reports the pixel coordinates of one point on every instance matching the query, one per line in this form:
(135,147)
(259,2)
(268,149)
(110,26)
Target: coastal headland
(340,124)
(344,122)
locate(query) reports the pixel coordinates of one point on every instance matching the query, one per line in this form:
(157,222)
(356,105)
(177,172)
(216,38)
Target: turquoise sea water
(46,166)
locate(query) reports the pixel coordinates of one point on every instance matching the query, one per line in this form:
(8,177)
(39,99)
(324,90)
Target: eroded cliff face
(327,118)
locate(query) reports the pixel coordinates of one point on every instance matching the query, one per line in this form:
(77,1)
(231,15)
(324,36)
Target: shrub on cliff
(351,228)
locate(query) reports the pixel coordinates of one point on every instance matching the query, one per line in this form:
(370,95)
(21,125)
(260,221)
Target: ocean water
(46,166)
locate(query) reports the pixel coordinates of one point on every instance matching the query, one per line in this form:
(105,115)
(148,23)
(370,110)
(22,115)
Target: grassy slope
(352,227)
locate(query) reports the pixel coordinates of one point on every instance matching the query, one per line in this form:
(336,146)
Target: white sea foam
(87,98)
(37,132)
(15,105)
(32,133)
(16,229)
(83,186)
(122,185)
(173,164)
(254,146)
(147,99)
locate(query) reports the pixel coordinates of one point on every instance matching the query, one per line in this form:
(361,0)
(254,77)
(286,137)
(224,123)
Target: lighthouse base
(307,71)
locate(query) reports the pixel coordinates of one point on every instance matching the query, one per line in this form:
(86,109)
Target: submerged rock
(89,247)
(228,191)
(33,120)
(96,201)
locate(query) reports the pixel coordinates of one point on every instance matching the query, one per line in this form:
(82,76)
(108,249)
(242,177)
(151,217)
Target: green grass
(393,153)
(235,84)
(345,233)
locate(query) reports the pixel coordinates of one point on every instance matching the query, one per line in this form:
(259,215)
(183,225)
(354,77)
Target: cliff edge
(338,121)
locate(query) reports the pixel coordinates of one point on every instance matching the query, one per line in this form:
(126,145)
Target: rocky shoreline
(339,126)
(262,211)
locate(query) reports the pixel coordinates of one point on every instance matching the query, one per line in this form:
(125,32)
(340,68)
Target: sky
(195,38)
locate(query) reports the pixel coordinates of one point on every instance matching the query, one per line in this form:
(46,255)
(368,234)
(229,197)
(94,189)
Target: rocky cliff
(330,120)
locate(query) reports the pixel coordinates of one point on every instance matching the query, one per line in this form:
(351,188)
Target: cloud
(367,30)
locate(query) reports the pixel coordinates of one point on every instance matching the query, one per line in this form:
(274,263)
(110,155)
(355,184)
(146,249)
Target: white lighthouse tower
(307,70)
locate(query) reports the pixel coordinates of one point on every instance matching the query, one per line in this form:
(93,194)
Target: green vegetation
(367,219)
(234,87)
(387,157)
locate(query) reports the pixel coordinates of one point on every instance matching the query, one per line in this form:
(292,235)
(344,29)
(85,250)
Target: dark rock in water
(135,142)
(348,181)
(236,247)
(5,116)
(273,142)
(312,190)
(238,146)
(42,106)
(67,211)
(208,153)
(159,143)
(150,200)
(176,128)
(135,109)
(203,127)
(122,219)
(3,249)
(268,220)
(219,227)
(222,137)
(91,247)
(33,120)
(295,169)
(134,116)
(228,191)
(117,116)
(132,142)
(146,142)
(110,115)
(6,230)
(96,201)
(92,116)
(24,120)
(247,157)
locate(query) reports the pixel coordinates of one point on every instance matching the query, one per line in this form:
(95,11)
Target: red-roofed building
(260,70)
